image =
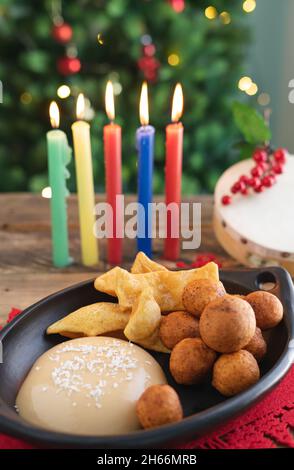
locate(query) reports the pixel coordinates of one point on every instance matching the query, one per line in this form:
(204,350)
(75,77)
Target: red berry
(182,265)
(242,186)
(267,181)
(260,155)
(236,187)
(280,155)
(253,182)
(244,179)
(263,166)
(256,171)
(239,186)
(273,177)
(226,200)
(244,191)
(259,188)
(278,169)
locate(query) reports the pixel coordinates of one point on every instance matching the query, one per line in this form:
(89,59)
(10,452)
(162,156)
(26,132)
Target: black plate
(24,340)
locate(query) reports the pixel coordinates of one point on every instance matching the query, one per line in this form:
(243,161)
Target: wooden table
(26,271)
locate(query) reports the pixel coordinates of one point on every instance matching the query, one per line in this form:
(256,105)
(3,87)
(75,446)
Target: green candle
(59,155)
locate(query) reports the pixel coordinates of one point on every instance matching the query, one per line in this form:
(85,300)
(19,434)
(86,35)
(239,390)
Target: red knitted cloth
(268,424)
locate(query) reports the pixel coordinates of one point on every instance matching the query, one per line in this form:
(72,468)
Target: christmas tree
(50,51)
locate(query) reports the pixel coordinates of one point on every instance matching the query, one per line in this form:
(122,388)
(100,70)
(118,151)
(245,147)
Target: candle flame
(54,114)
(144,108)
(109,101)
(80,110)
(178,103)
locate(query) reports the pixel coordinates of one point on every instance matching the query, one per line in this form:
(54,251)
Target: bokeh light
(173,60)
(252,90)
(117,88)
(178,5)
(244,83)
(100,39)
(26,98)
(47,192)
(146,39)
(63,91)
(210,12)
(249,6)
(264,99)
(225,17)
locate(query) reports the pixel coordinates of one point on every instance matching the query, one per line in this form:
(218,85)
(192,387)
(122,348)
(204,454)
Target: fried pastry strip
(91,320)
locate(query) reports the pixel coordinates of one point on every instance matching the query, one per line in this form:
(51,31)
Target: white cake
(257,229)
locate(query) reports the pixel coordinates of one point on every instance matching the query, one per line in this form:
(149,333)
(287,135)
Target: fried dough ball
(198,293)
(267,308)
(257,345)
(190,361)
(177,326)
(233,373)
(227,324)
(158,405)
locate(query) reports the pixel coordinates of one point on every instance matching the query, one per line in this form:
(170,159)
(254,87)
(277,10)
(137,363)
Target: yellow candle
(85,184)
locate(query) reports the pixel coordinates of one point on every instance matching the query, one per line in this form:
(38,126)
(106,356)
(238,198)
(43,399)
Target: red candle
(112,157)
(173,177)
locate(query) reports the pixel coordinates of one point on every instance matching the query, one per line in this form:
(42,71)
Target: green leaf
(246,150)
(251,124)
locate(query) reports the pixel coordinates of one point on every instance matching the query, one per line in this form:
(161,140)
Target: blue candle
(145,146)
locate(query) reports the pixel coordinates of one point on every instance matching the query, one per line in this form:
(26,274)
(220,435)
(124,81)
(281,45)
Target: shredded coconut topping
(107,361)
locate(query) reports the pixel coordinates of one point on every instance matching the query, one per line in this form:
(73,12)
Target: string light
(264,99)
(210,13)
(249,6)
(26,98)
(63,91)
(225,17)
(173,60)
(244,83)
(47,192)
(252,90)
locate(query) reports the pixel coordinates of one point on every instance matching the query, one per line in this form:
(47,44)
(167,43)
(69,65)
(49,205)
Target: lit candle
(145,145)
(112,157)
(173,176)
(59,154)
(85,185)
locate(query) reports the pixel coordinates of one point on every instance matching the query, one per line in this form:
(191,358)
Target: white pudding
(88,386)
